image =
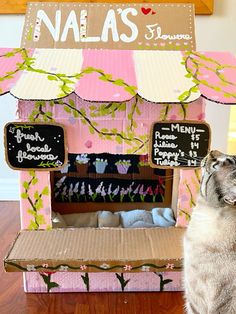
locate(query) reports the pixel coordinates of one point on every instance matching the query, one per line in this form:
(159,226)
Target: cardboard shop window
(107,181)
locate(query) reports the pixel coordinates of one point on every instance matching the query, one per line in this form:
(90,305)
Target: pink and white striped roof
(118,75)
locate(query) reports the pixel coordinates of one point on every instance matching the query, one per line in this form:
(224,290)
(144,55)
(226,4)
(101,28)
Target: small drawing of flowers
(127,267)
(105,266)
(63,268)
(30,267)
(145,268)
(170,266)
(83,267)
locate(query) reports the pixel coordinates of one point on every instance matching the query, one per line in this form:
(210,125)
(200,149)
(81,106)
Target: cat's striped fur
(210,240)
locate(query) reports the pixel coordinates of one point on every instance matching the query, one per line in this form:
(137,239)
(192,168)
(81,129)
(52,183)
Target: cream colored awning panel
(162,78)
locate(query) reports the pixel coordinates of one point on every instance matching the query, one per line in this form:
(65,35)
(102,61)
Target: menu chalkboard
(180,144)
(35,146)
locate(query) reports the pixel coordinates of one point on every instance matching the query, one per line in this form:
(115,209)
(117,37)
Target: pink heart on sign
(145,11)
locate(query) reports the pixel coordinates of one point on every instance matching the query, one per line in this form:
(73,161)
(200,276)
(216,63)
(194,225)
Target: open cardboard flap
(96,250)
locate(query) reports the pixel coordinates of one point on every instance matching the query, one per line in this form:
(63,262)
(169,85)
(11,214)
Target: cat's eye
(223,162)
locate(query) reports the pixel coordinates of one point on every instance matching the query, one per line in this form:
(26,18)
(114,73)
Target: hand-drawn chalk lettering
(179,144)
(31,137)
(35,146)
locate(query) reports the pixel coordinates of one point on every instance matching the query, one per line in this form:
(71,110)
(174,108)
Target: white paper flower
(109,189)
(145,268)
(105,266)
(99,188)
(71,190)
(12,130)
(30,267)
(63,268)
(76,188)
(64,192)
(59,183)
(58,163)
(103,192)
(116,191)
(90,191)
(82,190)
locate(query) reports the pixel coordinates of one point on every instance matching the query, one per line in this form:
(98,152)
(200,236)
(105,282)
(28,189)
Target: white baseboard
(9,189)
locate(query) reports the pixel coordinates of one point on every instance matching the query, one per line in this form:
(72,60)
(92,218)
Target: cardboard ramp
(94,250)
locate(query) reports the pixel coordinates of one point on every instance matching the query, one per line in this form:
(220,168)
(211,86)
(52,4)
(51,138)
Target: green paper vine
(23,126)
(137,143)
(66,82)
(66,267)
(48,164)
(35,202)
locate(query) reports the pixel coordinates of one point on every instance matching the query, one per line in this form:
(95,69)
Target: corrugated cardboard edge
(92,266)
(11,247)
(36,123)
(98,265)
(176,121)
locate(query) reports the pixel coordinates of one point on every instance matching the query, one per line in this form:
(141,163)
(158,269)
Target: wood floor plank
(13,299)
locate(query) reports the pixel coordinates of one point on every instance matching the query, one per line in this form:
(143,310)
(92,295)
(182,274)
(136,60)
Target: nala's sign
(117,26)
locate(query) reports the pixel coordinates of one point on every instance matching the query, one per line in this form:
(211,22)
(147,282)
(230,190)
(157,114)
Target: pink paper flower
(201,116)
(88,144)
(170,266)
(156,191)
(173,117)
(83,267)
(127,267)
(149,190)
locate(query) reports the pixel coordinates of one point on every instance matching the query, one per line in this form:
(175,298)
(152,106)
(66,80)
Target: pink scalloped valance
(118,75)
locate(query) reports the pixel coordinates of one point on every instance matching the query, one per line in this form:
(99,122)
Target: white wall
(216,32)
(11,27)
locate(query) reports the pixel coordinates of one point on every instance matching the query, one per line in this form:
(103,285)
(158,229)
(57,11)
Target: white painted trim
(9,189)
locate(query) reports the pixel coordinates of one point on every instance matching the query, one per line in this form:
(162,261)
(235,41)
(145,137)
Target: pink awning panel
(11,62)
(215,74)
(118,85)
(116,76)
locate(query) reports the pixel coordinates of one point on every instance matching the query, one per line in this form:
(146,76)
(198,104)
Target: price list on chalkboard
(180,144)
(36,146)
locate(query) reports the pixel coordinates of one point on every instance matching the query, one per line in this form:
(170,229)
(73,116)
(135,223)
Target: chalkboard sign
(180,144)
(35,146)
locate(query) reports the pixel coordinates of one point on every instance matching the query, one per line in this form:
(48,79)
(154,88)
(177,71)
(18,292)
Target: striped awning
(118,75)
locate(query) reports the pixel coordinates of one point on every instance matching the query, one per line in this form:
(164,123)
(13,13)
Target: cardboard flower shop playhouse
(109,138)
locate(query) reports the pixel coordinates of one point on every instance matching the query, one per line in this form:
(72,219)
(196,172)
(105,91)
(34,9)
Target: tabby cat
(210,240)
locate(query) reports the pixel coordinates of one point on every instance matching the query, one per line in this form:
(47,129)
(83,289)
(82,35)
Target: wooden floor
(13,300)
